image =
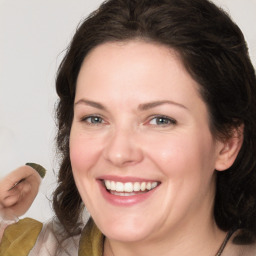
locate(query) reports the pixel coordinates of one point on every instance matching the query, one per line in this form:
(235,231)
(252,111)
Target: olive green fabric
(20,238)
(91,242)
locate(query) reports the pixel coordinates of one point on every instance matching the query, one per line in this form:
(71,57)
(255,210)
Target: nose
(123,149)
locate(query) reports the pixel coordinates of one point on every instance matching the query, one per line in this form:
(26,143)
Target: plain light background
(33,37)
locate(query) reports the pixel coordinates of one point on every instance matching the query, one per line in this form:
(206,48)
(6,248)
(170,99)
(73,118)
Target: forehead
(135,69)
(132,50)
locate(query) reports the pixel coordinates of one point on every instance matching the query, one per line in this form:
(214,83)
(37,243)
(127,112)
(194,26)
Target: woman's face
(142,154)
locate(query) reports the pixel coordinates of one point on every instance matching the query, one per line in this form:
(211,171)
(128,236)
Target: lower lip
(124,200)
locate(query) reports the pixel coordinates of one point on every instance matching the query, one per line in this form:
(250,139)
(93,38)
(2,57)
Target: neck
(202,238)
(196,232)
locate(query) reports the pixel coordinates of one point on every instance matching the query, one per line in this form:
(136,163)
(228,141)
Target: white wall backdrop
(33,36)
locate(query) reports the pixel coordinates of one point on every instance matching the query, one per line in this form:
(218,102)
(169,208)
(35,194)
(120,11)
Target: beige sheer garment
(50,243)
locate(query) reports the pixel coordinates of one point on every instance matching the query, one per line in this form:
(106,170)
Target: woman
(156,121)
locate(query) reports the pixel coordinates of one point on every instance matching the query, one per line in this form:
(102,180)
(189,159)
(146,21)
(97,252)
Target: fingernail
(40,169)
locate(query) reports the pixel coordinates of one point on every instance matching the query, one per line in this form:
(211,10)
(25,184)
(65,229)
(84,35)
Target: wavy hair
(213,51)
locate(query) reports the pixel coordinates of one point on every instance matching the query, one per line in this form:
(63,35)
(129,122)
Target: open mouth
(129,188)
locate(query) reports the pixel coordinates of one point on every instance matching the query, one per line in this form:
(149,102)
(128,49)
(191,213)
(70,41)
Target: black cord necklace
(222,247)
(224,243)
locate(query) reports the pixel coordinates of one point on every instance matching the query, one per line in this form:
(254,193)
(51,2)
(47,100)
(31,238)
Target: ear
(228,149)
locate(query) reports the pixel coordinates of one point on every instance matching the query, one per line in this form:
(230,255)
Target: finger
(19,189)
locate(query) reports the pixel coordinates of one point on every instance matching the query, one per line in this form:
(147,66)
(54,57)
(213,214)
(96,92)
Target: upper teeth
(129,186)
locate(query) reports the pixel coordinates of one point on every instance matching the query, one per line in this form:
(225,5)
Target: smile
(129,188)
(127,191)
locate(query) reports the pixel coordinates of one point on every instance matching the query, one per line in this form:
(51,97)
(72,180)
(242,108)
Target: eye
(93,120)
(162,121)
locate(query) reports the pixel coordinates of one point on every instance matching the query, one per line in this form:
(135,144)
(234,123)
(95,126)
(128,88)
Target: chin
(126,235)
(131,230)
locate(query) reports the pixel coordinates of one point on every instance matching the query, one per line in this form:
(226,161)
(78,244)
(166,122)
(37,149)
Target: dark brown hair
(214,52)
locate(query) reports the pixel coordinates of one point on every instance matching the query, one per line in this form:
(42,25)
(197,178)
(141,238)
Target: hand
(18,191)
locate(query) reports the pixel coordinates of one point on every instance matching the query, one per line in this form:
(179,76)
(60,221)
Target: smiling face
(142,154)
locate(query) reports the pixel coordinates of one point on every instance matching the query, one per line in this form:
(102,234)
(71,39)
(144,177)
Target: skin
(129,141)
(17,191)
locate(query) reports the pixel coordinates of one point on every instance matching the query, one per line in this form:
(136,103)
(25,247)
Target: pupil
(96,120)
(162,121)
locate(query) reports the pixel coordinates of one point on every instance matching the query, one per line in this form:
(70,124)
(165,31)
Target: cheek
(180,155)
(84,152)
(174,160)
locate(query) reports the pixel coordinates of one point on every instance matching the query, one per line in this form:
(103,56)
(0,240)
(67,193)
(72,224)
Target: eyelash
(167,121)
(86,118)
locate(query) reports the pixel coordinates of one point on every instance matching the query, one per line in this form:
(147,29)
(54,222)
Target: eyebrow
(90,103)
(154,104)
(141,107)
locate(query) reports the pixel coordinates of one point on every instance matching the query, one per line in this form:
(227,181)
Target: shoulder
(20,237)
(92,240)
(242,243)
(31,237)
(53,240)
